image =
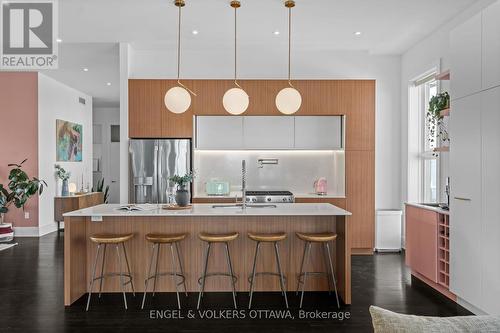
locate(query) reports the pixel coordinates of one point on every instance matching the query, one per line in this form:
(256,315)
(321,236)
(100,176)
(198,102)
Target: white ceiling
(387,26)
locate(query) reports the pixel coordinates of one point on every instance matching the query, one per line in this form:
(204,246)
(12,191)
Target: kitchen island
(79,251)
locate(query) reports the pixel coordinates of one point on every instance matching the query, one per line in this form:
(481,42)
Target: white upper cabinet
(268,132)
(465,43)
(465,203)
(219,132)
(318,132)
(490,229)
(491,46)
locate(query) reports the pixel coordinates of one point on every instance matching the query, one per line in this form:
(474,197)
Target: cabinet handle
(462,199)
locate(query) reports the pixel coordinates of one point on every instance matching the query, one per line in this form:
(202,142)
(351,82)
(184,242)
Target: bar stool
(267,238)
(172,240)
(323,239)
(117,240)
(212,239)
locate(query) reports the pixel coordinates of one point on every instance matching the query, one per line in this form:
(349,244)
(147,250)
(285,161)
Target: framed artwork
(69,137)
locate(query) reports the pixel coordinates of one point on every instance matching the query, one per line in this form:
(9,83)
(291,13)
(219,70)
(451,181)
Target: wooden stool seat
(317,237)
(165,238)
(110,238)
(218,238)
(274,237)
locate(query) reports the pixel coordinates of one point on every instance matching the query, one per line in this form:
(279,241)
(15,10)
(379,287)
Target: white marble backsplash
(296,170)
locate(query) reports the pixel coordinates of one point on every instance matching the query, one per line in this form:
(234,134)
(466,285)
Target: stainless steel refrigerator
(152,162)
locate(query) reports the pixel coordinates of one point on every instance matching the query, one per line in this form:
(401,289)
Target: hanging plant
(435,121)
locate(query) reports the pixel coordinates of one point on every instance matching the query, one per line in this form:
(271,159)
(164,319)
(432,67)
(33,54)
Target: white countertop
(434,209)
(291,209)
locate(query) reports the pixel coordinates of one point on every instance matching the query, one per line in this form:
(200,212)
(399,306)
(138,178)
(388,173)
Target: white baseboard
(475,310)
(34,231)
(26,232)
(47,229)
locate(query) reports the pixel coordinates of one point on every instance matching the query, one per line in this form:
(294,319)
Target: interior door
(465,203)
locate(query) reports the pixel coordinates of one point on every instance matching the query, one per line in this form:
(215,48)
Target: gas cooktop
(270,196)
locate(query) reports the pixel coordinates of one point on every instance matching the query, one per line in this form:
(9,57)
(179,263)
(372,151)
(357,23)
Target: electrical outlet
(26,215)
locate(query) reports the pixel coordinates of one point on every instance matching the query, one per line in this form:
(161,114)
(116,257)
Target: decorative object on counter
(235,100)
(182,193)
(289,100)
(69,141)
(100,188)
(321,186)
(217,188)
(63,175)
(435,119)
(20,189)
(178,98)
(176,207)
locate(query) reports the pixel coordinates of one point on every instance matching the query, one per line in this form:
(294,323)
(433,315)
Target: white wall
(254,63)
(124,156)
(104,118)
(433,50)
(58,101)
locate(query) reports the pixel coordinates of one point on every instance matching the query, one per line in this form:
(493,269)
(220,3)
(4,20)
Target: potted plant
(182,194)
(435,120)
(100,188)
(19,189)
(64,176)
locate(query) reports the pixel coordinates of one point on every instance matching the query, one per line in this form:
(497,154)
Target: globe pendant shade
(177,100)
(235,101)
(288,100)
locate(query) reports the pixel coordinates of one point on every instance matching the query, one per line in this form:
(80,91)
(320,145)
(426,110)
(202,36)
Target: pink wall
(19,134)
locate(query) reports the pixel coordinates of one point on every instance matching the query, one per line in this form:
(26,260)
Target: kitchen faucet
(243,184)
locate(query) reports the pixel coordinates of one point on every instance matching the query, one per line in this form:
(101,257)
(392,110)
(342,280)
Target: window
(423,177)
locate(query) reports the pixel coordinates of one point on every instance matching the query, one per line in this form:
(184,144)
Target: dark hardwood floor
(31,300)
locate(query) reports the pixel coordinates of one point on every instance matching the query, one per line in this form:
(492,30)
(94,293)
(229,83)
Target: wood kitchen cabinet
(148,116)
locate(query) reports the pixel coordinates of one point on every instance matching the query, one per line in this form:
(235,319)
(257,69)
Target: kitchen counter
(434,209)
(79,251)
(282,209)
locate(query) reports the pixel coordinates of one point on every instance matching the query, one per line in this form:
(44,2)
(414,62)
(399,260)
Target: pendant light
(178,98)
(235,100)
(289,100)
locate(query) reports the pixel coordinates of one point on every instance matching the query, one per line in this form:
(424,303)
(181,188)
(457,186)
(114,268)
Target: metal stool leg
(156,268)
(202,286)
(174,276)
(128,268)
(180,266)
(301,268)
(102,268)
(253,273)
(122,283)
(93,277)
(333,274)
(305,274)
(146,282)
(327,268)
(231,274)
(282,280)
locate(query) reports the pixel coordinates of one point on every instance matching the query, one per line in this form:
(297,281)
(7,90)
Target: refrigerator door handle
(159,173)
(155,174)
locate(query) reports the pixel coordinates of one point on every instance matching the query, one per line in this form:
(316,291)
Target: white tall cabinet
(475,161)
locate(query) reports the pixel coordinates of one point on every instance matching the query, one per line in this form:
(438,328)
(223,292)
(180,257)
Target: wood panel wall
(149,118)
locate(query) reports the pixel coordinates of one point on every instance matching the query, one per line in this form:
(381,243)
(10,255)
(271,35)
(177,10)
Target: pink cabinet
(422,242)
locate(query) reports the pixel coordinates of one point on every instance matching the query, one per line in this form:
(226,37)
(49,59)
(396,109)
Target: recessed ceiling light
(195,32)
(85,69)
(276,32)
(358,33)
(108,84)
(59,40)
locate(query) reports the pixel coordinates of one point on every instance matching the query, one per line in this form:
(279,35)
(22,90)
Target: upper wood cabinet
(465,43)
(491,46)
(148,116)
(317,132)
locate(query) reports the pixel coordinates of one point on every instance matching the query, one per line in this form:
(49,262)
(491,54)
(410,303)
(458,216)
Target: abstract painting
(69,141)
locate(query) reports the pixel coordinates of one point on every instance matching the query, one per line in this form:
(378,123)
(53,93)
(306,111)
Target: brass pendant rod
(290,45)
(180,4)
